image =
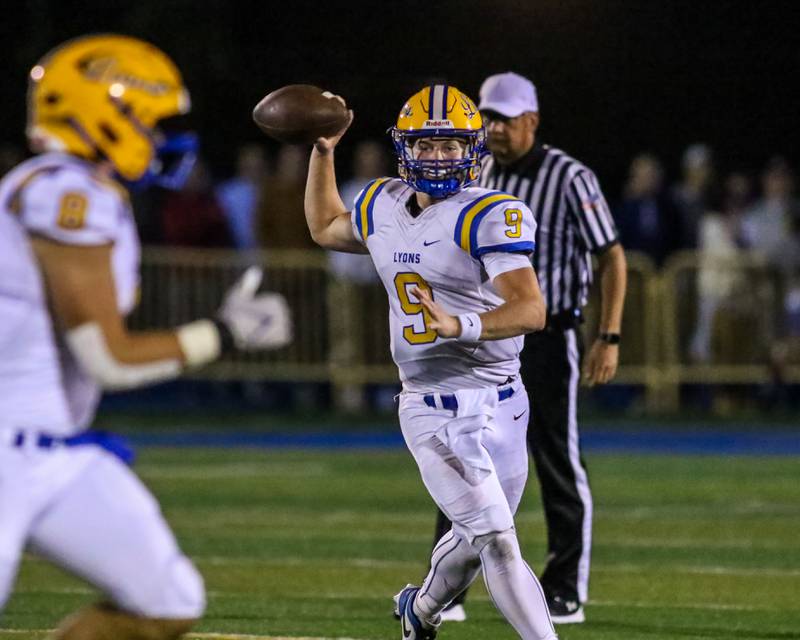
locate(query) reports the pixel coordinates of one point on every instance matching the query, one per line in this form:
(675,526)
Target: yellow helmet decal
(439,107)
(101,96)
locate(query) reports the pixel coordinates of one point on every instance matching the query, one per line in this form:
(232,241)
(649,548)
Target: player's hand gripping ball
(300,113)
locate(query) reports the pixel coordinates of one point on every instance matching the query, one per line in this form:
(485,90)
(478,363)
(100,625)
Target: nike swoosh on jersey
(428,244)
(520,415)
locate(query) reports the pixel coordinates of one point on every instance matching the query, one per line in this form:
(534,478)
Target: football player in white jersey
(69,255)
(454,260)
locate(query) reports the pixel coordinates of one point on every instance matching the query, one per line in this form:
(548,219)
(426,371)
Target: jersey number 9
(402,283)
(514,220)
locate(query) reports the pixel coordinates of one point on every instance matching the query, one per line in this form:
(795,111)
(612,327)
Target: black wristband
(226,341)
(609,338)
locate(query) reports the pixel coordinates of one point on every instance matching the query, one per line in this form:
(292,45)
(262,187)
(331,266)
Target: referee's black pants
(550,369)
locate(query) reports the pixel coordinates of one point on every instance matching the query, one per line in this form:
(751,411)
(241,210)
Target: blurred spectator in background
(720,284)
(646,217)
(192,217)
(770,222)
(281,216)
(691,196)
(353,270)
(240,196)
(369,162)
(10,156)
(772,227)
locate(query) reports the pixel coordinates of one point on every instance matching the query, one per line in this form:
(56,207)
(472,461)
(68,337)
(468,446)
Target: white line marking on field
(688,543)
(81,591)
(364,563)
(706,606)
(232,470)
(200,636)
(702,570)
(245,636)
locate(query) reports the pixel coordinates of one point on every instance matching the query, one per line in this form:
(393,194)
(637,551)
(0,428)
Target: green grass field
(313,544)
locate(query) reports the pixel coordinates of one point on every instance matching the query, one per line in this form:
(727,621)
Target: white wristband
(471,327)
(200,342)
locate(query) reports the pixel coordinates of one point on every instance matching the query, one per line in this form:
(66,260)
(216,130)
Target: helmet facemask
(439,178)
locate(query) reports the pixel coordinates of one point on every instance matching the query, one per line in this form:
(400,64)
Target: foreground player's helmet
(101,97)
(439,111)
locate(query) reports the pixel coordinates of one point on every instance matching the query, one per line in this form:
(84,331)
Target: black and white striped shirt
(572,216)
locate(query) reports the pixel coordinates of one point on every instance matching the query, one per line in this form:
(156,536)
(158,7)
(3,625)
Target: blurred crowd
(746,230)
(721,214)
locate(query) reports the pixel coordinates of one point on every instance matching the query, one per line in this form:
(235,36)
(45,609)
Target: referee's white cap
(508,94)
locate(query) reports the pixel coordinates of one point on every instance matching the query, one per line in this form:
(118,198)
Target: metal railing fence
(342,337)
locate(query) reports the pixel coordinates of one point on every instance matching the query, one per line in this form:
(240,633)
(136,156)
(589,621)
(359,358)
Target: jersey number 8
(403,282)
(72,212)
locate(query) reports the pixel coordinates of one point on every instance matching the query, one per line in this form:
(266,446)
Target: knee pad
(8,571)
(175,593)
(184,591)
(493,518)
(501,548)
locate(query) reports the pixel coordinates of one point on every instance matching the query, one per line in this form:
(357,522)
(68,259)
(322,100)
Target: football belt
(113,443)
(450,402)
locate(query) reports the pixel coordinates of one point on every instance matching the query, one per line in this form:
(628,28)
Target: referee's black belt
(563,320)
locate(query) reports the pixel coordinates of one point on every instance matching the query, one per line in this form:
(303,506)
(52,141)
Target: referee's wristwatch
(609,338)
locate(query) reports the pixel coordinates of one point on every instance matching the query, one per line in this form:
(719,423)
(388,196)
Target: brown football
(299,114)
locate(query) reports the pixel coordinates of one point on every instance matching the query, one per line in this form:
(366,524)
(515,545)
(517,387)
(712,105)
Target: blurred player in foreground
(69,255)
(455,263)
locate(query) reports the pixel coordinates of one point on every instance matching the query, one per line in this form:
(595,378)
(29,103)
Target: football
(299,114)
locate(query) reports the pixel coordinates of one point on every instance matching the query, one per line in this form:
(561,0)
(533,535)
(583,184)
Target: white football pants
(84,510)
(474,462)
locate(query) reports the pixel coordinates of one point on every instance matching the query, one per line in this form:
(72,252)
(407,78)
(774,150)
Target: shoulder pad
(365,204)
(508,226)
(72,204)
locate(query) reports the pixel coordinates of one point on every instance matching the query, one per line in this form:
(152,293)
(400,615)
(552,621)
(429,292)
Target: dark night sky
(614,78)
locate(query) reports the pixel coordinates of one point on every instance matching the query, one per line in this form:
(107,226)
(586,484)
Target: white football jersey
(64,199)
(441,250)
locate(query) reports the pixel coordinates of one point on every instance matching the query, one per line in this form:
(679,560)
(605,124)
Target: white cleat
(565,611)
(454,613)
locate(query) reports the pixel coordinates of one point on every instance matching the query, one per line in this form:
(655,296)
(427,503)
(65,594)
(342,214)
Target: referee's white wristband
(200,342)
(471,327)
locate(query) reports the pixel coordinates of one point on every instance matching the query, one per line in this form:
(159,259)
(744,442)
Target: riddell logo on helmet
(438,124)
(105,70)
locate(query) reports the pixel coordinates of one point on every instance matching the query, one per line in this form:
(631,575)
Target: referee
(573,222)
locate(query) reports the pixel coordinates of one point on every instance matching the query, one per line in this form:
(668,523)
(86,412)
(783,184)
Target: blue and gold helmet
(439,111)
(105,97)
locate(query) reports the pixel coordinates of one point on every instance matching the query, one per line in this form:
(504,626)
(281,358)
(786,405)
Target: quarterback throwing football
(454,260)
(69,255)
